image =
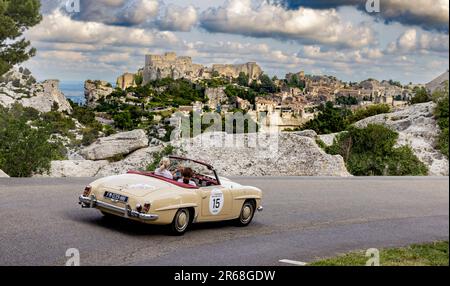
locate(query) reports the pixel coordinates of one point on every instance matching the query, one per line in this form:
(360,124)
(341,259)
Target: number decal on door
(216,202)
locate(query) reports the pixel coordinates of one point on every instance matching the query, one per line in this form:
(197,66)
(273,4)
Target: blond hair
(164,164)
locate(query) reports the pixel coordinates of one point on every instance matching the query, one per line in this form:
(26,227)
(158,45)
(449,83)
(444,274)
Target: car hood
(131,184)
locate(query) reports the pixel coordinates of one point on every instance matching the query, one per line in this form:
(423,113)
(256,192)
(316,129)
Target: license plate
(116,197)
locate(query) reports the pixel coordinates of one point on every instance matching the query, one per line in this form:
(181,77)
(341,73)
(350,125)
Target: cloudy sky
(408,40)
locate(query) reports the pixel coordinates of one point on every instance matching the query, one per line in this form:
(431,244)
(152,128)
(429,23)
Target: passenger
(163,169)
(187,176)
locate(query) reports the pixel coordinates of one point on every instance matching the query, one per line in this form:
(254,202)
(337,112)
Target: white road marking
(298,263)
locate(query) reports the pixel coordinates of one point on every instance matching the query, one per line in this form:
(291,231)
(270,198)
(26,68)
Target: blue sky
(407,41)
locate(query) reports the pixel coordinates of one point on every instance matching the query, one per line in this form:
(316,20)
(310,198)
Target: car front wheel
(180,222)
(247,213)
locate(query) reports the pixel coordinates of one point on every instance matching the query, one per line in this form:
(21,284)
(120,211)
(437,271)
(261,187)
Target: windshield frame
(210,167)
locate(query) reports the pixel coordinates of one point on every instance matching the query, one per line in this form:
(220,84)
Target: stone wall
(228,70)
(169,65)
(126,80)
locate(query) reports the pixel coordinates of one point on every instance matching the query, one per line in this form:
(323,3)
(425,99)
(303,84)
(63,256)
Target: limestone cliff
(19,86)
(96,89)
(290,154)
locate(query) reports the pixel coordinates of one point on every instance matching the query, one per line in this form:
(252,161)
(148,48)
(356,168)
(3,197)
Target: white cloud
(118,12)
(262,19)
(59,28)
(178,18)
(425,13)
(412,41)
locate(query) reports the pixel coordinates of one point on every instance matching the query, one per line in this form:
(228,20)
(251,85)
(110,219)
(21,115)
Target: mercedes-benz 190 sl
(154,199)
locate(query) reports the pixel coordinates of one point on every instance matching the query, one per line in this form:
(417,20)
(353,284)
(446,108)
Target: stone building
(126,80)
(251,69)
(170,66)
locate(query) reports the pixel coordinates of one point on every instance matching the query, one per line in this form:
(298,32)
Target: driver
(187,176)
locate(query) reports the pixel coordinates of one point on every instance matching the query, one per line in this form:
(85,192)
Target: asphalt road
(304,219)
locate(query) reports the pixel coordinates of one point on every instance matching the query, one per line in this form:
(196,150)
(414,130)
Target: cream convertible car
(152,199)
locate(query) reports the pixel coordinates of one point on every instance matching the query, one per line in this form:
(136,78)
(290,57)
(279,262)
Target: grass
(430,254)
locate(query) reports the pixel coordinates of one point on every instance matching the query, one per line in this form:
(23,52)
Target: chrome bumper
(92,202)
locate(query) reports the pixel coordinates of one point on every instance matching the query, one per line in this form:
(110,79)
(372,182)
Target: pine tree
(16,16)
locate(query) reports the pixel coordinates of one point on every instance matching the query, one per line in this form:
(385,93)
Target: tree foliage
(420,95)
(24,149)
(441,113)
(16,16)
(332,119)
(370,151)
(329,120)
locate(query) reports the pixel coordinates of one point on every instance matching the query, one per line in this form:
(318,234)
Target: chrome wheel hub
(247,211)
(182,221)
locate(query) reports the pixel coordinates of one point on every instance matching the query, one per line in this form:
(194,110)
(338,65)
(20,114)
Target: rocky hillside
(94,90)
(19,86)
(417,128)
(438,83)
(295,154)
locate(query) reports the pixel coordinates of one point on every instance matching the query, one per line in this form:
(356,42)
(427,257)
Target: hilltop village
(290,102)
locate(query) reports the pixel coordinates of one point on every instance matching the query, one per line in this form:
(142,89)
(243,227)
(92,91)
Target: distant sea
(73,91)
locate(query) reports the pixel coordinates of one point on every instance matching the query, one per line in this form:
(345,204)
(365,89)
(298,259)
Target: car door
(217,203)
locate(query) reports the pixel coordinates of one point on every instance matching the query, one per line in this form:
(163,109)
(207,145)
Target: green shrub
(442,116)
(89,136)
(329,120)
(420,95)
(123,120)
(25,150)
(369,111)
(370,151)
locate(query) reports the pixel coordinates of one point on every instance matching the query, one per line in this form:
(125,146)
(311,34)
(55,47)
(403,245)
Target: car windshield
(204,175)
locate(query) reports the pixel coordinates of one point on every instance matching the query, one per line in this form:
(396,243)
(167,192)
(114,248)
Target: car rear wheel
(247,213)
(181,222)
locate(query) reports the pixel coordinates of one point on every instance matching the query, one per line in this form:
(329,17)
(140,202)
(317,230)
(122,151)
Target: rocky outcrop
(328,139)
(75,168)
(3,174)
(216,96)
(438,83)
(288,154)
(417,128)
(19,86)
(138,160)
(96,89)
(116,145)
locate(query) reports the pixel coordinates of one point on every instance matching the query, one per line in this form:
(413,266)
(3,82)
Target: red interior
(151,174)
